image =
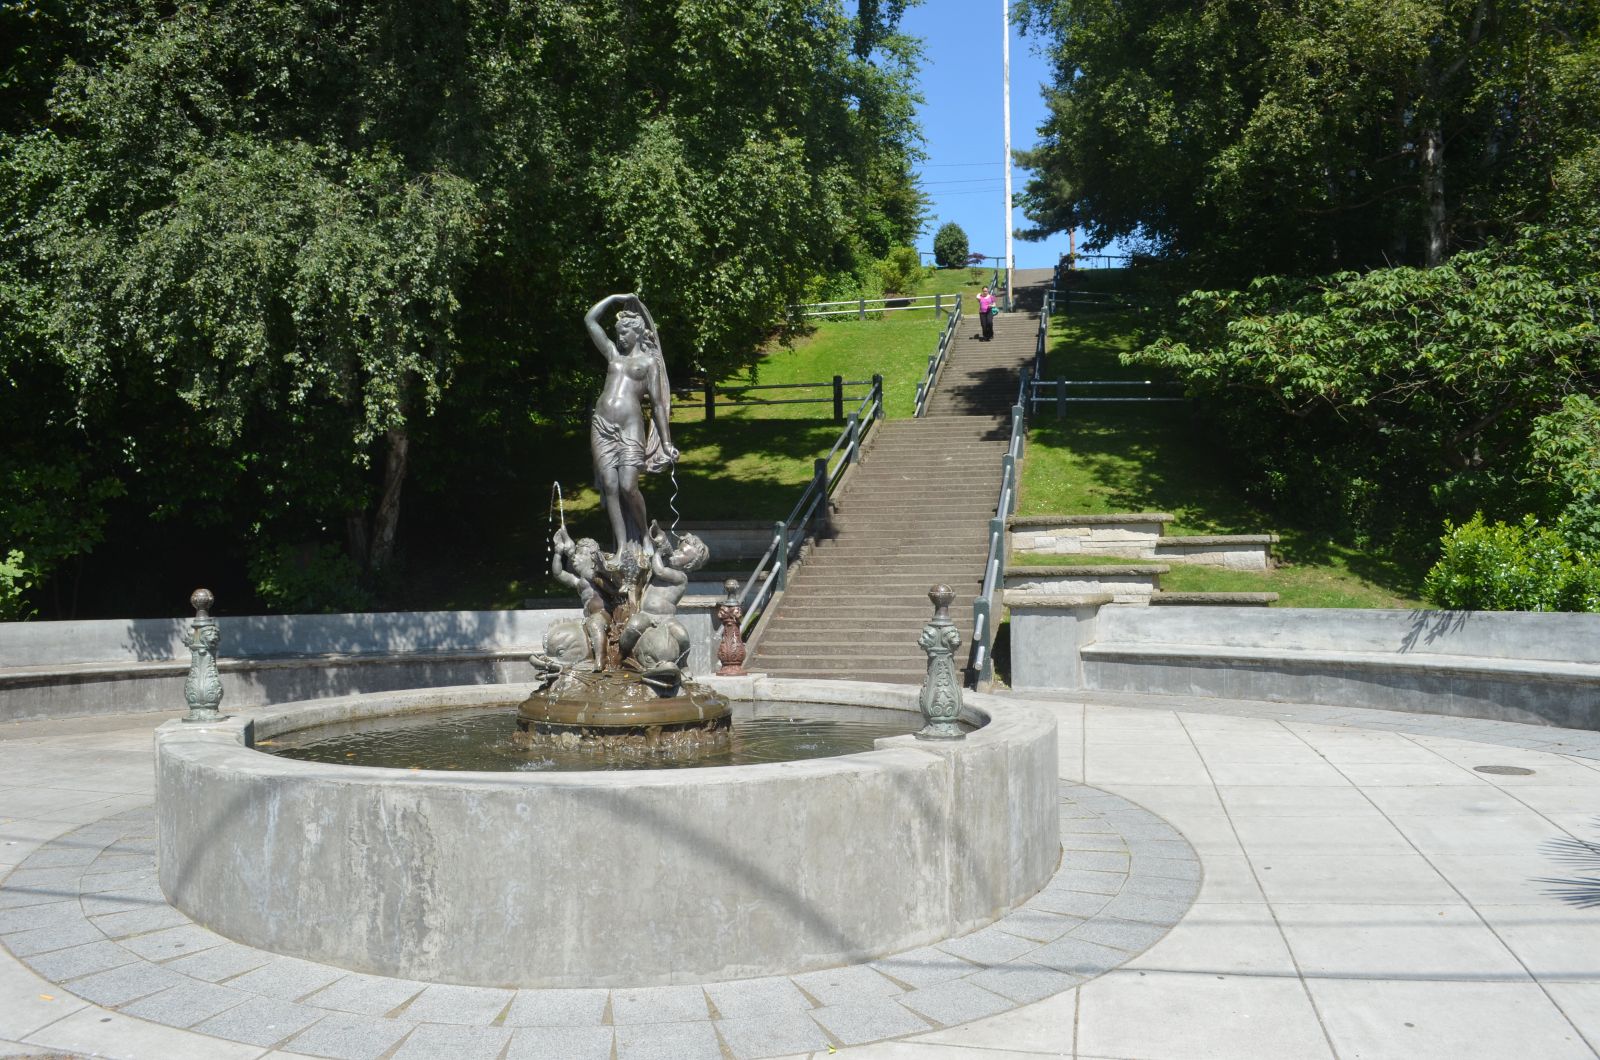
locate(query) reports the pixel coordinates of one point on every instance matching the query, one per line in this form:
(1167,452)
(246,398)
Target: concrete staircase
(913,513)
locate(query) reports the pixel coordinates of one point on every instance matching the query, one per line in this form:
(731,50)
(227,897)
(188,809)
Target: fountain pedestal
(620,708)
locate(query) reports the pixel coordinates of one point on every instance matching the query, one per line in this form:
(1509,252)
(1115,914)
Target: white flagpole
(1005,36)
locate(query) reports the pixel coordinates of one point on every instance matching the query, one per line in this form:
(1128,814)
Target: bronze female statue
(624,446)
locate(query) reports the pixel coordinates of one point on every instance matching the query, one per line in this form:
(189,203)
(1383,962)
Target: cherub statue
(572,644)
(653,637)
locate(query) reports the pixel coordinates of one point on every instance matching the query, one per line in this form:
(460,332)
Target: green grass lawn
(1131,458)
(895,345)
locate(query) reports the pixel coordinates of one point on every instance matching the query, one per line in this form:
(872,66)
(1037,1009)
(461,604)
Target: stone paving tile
(1101,860)
(222,962)
(62,965)
(1024,982)
(561,1043)
(470,1006)
(36,917)
(1091,880)
(140,921)
(558,1008)
(432,1041)
(668,1041)
(60,882)
(659,1004)
(924,967)
(1160,887)
(741,998)
(262,1021)
(1121,934)
(990,945)
(1038,925)
(1074,841)
(128,983)
(117,881)
(955,1002)
(1172,868)
(772,1035)
(287,978)
(17,897)
(185,1004)
(101,903)
(1079,957)
(1068,902)
(367,995)
(45,940)
(856,1022)
(834,986)
(346,1037)
(173,942)
(1142,907)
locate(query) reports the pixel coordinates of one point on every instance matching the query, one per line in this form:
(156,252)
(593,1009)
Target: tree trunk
(1433,192)
(386,521)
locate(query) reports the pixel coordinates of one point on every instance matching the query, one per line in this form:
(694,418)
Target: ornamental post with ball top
(940,698)
(202,689)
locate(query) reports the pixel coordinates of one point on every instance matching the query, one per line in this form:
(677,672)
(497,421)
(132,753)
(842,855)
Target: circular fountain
(615,877)
(607,878)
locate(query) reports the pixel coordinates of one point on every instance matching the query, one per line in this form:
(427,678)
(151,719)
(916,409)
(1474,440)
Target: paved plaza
(1239,880)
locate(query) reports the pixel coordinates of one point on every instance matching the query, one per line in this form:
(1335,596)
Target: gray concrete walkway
(1374,885)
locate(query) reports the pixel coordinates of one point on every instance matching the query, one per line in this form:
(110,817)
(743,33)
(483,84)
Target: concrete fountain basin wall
(606,878)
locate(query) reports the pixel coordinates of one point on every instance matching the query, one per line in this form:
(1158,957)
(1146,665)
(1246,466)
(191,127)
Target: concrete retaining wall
(607,878)
(1541,668)
(67,669)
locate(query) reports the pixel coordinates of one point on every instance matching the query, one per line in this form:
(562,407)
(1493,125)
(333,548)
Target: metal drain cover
(1505,771)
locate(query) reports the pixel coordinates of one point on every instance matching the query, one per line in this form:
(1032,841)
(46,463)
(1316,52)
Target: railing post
(838,399)
(855,438)
(1061,398)
(711,401)
(862,312)
(877,390)
(781,570)
(997,525)
(938,305)
(1018,428)
(980,617)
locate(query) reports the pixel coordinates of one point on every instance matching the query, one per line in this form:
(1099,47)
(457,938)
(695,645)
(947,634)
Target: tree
(257,252)
(1401,395)
(1308,135)
(950,247)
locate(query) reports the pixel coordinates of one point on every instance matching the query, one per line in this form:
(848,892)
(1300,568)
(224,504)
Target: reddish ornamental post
(730,650)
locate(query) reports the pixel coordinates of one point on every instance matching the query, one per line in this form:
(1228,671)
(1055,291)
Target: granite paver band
(84,911)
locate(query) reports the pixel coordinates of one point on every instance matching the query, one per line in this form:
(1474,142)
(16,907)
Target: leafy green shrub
(950,246)
(16,578)
(900,270)
(1500,567)
(308,579)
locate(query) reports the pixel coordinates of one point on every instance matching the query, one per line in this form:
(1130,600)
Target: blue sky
(962,119)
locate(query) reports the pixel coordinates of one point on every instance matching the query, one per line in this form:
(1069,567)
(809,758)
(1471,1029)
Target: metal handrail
(936,362)
(981,659)
(760,591)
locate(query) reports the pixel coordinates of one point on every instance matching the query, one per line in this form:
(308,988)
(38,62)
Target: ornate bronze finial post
(941,690)
(730,650)
(202,689)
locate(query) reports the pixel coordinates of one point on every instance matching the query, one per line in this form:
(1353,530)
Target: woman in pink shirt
(986,314)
